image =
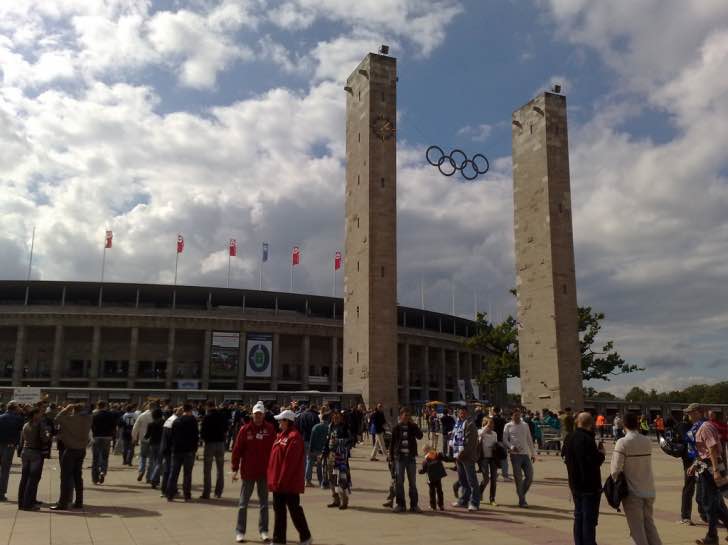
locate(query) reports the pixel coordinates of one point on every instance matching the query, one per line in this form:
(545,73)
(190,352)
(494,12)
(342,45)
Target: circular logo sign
(259,358)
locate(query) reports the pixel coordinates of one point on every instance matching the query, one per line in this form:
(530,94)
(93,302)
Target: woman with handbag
(489,460)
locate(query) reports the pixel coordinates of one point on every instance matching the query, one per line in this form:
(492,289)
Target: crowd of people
(279,450)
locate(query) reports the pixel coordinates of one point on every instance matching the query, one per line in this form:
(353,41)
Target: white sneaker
(264,537)
(239,538)
(472,508)
(309,541)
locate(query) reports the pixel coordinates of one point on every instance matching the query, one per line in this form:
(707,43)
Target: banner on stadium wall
(476,388)
(461,387)
(224,354)
(259,355)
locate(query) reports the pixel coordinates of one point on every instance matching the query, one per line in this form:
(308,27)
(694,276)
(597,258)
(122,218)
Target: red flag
(233,247)
(296,256)
(180,244)
(337,261)
(109,238)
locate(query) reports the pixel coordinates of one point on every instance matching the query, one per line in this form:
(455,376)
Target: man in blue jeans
(103,428)
(403,451)
(583,461)
(184,440)
(466,451)
(519,443)
(11,424)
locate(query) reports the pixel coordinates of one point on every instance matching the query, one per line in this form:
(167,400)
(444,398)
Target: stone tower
(545,279)
(370,264)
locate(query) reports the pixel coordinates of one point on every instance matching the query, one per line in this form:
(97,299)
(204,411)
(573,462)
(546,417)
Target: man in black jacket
(305,423)
(184,440)
(103,428)
(214,432)
(376,425)
(583,459)
(11,425)
(403,451)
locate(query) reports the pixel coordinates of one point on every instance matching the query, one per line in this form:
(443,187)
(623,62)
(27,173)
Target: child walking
(433,467)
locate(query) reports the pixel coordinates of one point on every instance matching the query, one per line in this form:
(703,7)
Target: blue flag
(265,252)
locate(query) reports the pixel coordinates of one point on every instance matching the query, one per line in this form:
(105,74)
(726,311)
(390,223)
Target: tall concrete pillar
(306,357)
(133,358)
(57,363)
(276,371)
(457,374)
(426,373)
(334,373)
(469,363)
(169,382)
(93,371)
(370,264)
(205,371)
(19,359)
(548,337)
(406,374)
(443,376)
(242,363)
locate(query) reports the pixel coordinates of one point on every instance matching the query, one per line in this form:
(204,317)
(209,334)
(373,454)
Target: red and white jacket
(286,467)
(251,451)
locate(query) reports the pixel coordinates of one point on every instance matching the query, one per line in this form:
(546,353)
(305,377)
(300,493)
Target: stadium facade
(115,336)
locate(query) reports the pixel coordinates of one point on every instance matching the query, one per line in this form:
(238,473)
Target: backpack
(615,490)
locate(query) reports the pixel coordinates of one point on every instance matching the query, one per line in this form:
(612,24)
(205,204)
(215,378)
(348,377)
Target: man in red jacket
(251,454)
(286,479)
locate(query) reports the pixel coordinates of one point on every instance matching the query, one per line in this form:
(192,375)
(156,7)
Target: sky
(225,119)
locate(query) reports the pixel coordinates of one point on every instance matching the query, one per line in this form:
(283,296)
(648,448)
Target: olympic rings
(457,160)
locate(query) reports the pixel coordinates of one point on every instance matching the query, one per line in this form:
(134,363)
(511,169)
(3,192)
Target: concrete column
(469,362)
(57,364)
(205,371)
(241,363)
(306,355)
(457,374)
(133,364)
(406,374)
(169,381)
(19,360)
(93,371)
(276,371)
(334,372)
(426,373)
(443,375)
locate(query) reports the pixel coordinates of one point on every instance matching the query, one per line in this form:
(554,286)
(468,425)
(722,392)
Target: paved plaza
(125,512)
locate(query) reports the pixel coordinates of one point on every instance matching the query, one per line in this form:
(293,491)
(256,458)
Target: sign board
(476,388)
(259,355)
(318,380)
(27,395)
(224,354)
(77,395)
(188,384)
(461,387)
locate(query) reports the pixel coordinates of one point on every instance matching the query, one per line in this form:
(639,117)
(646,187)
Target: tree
(500,342)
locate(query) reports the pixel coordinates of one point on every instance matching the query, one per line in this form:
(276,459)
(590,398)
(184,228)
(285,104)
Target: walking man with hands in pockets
(250,455)
(517,439)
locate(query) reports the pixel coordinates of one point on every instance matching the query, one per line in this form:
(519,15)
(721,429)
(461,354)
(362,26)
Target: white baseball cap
(286,415)
(259,408)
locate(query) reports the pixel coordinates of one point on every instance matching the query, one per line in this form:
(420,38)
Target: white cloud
(477,133)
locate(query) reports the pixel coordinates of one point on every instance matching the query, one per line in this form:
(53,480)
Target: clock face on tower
(383,127)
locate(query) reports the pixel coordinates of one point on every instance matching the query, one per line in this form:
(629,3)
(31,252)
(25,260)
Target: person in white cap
(250,455)
(286,480)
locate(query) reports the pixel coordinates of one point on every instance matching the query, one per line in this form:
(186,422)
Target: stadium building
(115,338)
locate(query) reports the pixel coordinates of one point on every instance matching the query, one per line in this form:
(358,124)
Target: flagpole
(103,263)
(452,296)
(422,293)
(176,262)
(291,275)
(260,275)
(229,258)
(475,310)
(30,259)
(333,283)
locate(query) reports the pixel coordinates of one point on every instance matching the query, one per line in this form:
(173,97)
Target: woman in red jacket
(286,470)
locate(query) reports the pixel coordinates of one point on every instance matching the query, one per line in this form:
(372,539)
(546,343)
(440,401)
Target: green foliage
(500,342)
(699,393)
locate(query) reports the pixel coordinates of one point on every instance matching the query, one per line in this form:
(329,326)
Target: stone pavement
(125,512)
